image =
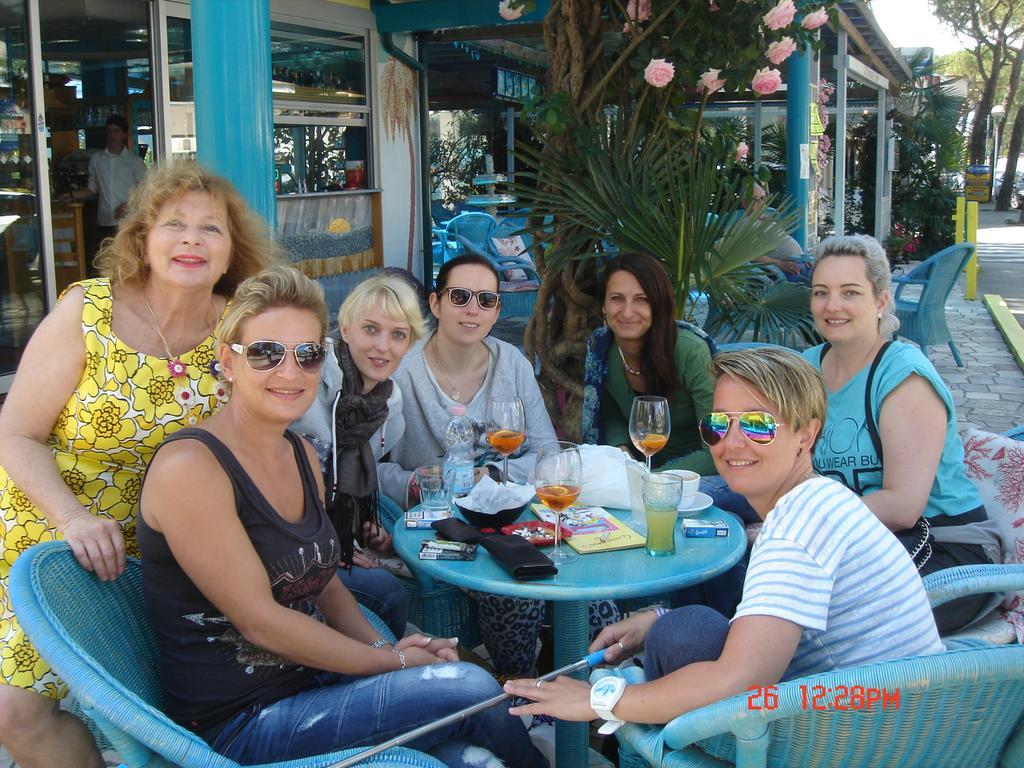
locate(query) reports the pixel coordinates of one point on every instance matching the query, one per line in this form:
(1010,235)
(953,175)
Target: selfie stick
(591,660)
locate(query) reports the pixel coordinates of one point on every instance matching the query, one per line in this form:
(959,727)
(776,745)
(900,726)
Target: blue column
(234,104)
(798,134)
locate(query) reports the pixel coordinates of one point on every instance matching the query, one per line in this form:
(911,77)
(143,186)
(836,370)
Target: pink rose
(781,15)
(659,73)
(757,192)
(814,20)
(710,81)
(766,81)
(713,6)
(741,150)
(781,50)
(508,13)
(636,11)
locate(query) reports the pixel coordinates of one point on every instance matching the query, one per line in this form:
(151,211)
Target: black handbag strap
(869,414)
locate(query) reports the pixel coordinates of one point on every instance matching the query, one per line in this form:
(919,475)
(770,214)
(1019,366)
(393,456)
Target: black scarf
(356,418)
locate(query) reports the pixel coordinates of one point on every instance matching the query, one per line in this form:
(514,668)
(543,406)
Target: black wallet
(516,555)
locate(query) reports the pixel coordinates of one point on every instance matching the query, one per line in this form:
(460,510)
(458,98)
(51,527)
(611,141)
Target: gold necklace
(175,367)
(629,368)
(454,392)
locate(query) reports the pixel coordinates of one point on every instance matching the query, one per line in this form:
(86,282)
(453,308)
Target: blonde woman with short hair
(827,586)
(265,654)
(379,322)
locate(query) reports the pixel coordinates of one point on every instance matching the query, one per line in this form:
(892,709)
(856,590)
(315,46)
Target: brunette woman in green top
(643,350)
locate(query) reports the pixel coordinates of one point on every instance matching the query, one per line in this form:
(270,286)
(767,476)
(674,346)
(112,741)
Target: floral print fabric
(124,406)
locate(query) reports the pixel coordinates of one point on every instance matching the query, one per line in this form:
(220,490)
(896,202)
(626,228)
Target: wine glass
(649,425)
(506,428)
(558,476)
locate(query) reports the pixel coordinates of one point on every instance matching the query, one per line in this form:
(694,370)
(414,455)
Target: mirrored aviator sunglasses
(460,297)
(758,427)
(262,356)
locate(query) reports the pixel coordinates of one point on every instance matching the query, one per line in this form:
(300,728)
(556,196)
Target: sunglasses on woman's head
(758,427)
(460,297)
(265,356)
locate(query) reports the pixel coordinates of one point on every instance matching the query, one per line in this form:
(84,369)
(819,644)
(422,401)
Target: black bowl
(495,520)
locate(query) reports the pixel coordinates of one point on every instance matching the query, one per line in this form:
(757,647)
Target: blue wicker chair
(923,318)
(96,635)
(438,609)
(958,708)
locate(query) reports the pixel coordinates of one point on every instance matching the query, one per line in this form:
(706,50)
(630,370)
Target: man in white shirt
(113,174)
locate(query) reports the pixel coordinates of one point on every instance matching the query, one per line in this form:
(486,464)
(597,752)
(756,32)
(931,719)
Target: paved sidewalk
(989,391)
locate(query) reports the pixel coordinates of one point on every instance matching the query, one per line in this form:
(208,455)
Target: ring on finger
(619,643)
(539,683)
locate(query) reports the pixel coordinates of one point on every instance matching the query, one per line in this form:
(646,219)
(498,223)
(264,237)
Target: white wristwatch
(604,695)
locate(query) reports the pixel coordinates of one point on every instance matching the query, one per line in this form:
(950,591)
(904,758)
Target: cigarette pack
(419,517)
(705,529)
(455,546)
(430,552)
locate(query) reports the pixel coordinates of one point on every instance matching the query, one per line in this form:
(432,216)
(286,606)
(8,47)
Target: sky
(911,23)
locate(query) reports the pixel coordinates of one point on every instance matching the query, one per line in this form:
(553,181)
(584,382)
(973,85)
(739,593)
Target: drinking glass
(435,492)
(649,425)
(506,429)
(661,494)
(558,476)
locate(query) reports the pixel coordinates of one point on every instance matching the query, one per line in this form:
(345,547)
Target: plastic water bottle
(459,439)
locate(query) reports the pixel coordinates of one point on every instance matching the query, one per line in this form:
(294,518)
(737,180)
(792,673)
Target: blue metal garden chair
(959,708)
(96,636)
(923,318)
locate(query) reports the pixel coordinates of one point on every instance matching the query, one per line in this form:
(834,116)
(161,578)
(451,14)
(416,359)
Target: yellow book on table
(594,529)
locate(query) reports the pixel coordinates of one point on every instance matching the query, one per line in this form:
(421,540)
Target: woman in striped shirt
(828,586)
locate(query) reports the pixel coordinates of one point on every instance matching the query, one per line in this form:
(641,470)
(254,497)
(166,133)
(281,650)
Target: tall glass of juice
(661,493)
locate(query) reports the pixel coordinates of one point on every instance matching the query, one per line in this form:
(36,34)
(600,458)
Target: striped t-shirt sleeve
(784,581)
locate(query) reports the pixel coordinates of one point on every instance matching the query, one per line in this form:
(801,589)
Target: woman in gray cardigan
(460,365)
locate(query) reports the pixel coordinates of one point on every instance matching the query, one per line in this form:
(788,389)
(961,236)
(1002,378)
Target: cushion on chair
(995,463)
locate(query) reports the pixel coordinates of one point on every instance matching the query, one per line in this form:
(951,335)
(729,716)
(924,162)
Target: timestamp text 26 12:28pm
(820,698)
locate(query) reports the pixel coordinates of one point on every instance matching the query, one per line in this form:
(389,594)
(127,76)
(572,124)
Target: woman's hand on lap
(439,648)
(564,698)
(359,560)
(97,543)
(630,632)
(376,538)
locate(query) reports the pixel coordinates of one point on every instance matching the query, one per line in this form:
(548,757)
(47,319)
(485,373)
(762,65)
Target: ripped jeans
(343,711)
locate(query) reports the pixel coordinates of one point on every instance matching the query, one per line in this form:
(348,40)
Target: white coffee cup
(691,484)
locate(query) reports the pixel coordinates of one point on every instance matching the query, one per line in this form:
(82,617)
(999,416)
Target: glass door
(22,272)
(176,115)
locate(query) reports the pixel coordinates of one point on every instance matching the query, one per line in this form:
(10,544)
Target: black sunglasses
(460,297)
(265,356)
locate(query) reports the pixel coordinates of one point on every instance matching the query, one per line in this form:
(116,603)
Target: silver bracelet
(400,655)
(380,642)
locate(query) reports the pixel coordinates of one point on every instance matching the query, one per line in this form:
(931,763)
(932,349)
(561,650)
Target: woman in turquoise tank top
(891,432)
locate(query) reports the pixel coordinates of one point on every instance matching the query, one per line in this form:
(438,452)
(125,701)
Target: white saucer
(700,502)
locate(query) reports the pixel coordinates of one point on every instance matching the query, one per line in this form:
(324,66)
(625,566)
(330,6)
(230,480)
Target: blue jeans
(684,636)
(380,591)
(723,592)
(342,712)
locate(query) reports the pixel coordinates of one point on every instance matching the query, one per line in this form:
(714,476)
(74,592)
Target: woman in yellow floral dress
(121,362)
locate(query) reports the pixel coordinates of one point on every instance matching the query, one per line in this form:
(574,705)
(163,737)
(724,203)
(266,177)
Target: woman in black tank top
(265,653)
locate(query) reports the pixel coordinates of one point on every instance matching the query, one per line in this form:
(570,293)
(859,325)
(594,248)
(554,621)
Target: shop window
(321,110)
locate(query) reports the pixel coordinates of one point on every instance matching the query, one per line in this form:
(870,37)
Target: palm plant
(634,191)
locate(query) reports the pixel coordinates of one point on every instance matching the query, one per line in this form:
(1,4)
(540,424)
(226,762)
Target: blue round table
(598,576)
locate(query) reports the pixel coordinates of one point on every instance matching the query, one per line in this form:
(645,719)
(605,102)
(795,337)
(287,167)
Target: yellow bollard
(959,223)
(971,270)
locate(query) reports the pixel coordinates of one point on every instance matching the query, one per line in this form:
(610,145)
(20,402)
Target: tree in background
(624,163)
(997,29)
